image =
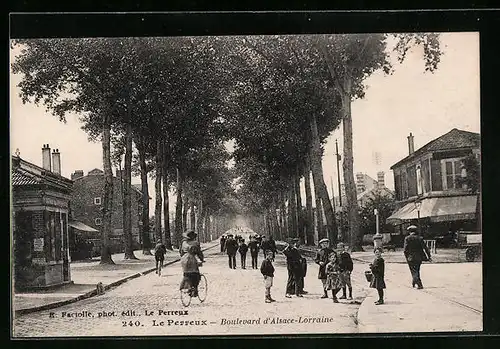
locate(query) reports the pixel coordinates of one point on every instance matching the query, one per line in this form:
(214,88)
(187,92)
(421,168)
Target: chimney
(46,163)
(411,145)
(381,179)
(77,174)
(56,161)
(360,182)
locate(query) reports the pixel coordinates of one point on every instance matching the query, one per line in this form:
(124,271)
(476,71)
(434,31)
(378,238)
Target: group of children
(335,272)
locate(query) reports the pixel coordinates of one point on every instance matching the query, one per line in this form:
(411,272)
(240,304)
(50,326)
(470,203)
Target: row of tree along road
(167,108)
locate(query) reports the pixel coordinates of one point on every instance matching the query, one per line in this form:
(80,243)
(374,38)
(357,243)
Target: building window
(419,180)
(98,221)
(453,171)
(97,201)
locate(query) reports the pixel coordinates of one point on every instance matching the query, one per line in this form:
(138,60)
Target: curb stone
(94,292)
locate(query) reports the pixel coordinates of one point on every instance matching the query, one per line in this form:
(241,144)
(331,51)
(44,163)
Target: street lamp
(377,239)
(418,205)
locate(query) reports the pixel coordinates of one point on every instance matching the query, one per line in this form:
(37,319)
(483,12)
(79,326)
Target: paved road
(234,296)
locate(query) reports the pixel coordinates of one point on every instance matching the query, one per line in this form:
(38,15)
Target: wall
(83,209)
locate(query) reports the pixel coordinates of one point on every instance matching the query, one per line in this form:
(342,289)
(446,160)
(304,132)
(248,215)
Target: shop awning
(80,226)
(440,209)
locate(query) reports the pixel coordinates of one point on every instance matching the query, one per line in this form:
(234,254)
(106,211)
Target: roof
(376,189)
(27,173)
(455,139)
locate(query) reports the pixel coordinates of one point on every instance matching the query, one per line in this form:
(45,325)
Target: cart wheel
(470,254)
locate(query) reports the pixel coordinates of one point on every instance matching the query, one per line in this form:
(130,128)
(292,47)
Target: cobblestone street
(233,296)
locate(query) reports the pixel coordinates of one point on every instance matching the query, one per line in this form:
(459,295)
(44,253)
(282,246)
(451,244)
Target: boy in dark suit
(267,270)
(346,266)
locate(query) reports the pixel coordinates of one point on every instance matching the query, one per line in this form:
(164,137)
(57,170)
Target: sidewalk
(446,303)
(87,274)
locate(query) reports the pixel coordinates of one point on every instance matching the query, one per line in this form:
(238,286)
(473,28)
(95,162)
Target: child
(377,268)
(267,271)
(346,266)
(333,279)
(243,253)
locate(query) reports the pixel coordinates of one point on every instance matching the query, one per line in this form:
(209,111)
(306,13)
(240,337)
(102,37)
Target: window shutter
(437,181)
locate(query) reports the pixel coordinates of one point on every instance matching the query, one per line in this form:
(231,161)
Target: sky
(410,100)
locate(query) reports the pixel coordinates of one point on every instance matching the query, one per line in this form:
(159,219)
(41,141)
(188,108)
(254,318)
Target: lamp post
(418,204)
(377,239)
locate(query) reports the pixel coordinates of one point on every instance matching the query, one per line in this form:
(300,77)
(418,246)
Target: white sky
(426,104)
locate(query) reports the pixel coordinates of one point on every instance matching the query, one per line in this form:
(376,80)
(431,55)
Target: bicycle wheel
(185,297)
(202,288)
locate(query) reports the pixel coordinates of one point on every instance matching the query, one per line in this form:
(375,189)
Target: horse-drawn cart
(471,241)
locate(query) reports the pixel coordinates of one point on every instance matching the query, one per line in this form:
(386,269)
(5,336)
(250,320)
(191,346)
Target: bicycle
(187,292)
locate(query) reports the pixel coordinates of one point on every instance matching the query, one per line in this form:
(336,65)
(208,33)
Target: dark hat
(190,233)
(412,228)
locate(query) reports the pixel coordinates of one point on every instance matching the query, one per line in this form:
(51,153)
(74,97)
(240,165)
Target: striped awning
(442,209)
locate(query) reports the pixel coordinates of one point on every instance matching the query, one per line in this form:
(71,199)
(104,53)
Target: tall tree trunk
(107,208)
(319,218)
(158,199)
(166,203)
(284,231)
(309,222)
(355,233)
(178,211)
(300,226)
(127,196)
(292,213)
(146,241)
(185,207)
(319,182)
(199,219)
(206,227)
(192,216)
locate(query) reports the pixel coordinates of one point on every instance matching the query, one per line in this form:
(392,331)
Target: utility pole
(340,190)
(336,227)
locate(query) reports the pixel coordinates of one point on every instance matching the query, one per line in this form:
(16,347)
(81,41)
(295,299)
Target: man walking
(222,243)
(231,249)
(322,260)
(253,246)
(415,251)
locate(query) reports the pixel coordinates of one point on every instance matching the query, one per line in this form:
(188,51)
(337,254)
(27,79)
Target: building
(40,207)
(86,204)
(426,187)
(366,188)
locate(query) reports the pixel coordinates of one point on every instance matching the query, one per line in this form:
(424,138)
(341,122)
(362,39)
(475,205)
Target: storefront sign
(38,244)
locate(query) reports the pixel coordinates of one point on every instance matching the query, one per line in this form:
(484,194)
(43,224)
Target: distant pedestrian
(333,279)
(242,249)
(267,270)
(415,251)
(378,271)
(222,243)
(253,246)
(231,249)
(322,260)
(160,251)
(294,268)
(272,245)
(346,267)
(265,246)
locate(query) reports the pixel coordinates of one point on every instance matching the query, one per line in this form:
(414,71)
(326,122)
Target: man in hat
(222,242)
(253,246)
(231,249)
(415,251)
(160,251)
(322,260)
(294,267)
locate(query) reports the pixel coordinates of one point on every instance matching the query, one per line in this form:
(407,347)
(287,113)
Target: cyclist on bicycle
(190,250)
(160,251)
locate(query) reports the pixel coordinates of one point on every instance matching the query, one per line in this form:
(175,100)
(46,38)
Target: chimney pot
(56,161)
(411,144)
(46,159)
